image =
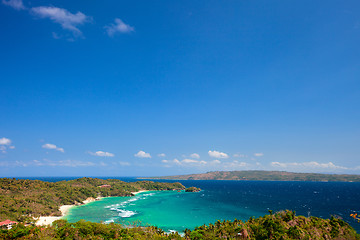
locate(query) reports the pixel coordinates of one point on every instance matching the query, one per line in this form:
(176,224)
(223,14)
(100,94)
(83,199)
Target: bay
(224,200)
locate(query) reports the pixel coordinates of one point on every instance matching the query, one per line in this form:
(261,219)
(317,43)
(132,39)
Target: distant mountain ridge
(265,176)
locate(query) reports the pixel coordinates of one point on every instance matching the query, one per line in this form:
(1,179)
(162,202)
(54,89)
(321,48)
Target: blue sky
(146,88)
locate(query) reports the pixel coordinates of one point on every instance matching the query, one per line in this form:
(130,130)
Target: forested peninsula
(25,200)
(265,176)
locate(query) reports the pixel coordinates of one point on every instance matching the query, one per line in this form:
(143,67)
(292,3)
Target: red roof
(7,222)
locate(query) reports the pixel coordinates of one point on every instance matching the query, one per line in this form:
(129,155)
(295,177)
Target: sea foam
(125,213)
(130,202)
(109,221)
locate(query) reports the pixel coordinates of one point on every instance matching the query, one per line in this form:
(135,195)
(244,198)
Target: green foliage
(267,227)
(281,225)
(294,232)
(192,189)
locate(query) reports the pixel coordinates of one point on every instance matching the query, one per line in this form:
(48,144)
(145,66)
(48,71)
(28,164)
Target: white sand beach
(47,220)
(139,192)
(42,221)
(88,200)
(50,219)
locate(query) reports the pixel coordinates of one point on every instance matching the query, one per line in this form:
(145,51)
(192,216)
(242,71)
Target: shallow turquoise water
(224,200)
(169,210)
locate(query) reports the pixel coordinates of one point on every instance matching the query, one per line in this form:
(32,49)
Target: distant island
(265,176)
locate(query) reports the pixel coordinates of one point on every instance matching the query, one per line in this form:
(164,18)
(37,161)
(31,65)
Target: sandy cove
(50,219)
(47,220)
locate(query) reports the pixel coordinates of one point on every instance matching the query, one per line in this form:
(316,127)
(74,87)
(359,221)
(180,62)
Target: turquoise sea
(224,200)
(169,210)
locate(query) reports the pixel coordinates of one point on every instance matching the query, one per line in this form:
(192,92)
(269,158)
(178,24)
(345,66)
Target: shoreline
(48,220)
(64,209)
(140,191)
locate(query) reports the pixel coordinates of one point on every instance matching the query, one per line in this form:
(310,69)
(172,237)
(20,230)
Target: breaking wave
(119,207)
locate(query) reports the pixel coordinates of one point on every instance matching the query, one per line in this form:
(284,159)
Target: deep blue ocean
(232,199)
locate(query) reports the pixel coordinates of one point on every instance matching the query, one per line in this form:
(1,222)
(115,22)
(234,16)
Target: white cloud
(238,164)
(19,164)
(46,162)
(195,155)
(2,149)
(213,165)
(5,141)
(52,146)
(71,163)
(192,162)
(308,166)
(216,162)
(185,162)
(258,154)
(16,4)
(216,154)
(66,19)
(102,154)
(5,144)
(118,27)
(142,154)
(161,155)
(284,165)
(63,163)
(177,161)
(235,165)
(323,165)
(189,161)
(38,163)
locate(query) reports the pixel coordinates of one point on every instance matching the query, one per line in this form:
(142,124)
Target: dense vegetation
(266,176)
(21,200)
(281,225)
(192,189)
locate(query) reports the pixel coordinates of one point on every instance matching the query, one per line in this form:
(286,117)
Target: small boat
(355,216)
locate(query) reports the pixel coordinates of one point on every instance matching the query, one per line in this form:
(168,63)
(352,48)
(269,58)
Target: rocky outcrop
(192,189)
